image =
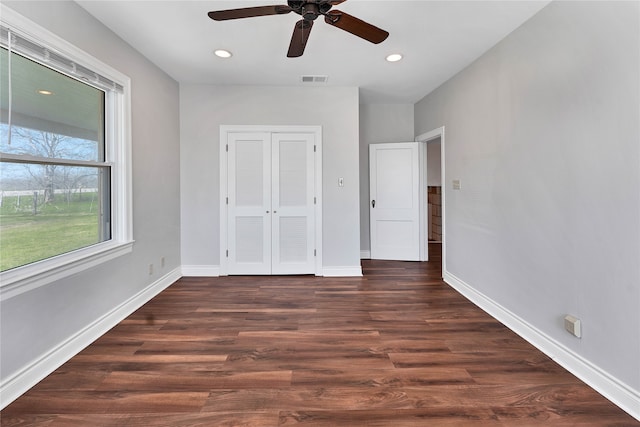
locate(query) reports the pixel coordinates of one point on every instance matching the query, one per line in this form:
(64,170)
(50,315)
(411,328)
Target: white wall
(39,321)
(434,162)
(204,108)
(379,123)
(543,132)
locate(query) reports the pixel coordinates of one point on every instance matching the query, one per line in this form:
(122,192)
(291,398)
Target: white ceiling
(437,38)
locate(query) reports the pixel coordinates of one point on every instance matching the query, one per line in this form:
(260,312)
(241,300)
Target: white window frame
(117,154)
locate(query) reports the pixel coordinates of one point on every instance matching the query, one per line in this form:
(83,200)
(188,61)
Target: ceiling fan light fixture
(222,53)
(394,57)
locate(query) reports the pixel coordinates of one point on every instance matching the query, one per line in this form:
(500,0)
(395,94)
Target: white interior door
(271,203)
(394,206)
(249,203)
(292,245)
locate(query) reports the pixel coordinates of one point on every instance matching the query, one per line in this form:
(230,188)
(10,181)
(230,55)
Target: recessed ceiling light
(394,57)
(221,53)
(44,92)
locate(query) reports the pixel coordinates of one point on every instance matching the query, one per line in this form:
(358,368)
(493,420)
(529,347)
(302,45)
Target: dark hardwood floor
(395,348)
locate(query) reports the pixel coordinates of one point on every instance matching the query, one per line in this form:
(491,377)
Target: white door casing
(423,139)
(394,201)
(270,187)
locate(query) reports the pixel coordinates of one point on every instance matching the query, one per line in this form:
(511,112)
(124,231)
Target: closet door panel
(293,203)
(249,203)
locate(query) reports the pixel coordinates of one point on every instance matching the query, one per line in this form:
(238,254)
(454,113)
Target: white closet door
(293,221)
(249,205)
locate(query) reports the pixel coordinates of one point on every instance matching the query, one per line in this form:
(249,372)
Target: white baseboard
(365,254)
(610,387)
(346,271)
(214,271)
(16,385)
(201,270)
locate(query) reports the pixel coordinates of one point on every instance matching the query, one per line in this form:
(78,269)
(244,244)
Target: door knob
(373,203)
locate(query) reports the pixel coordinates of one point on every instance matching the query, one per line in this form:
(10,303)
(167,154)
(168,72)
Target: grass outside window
(70,222)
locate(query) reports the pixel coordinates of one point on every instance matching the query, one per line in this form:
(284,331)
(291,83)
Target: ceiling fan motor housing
(309,10)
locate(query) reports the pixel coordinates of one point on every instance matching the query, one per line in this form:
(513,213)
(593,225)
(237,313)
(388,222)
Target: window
(64,158)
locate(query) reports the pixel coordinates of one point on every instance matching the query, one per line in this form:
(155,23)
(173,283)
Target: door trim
(222,162)
(424,139)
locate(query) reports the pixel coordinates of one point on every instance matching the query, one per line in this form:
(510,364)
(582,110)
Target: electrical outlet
(150,269)
(573,325)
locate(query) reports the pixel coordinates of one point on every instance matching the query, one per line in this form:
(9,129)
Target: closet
(270,201)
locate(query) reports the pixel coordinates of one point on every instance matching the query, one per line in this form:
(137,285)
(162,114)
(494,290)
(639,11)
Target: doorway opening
(434,191)
(432,194)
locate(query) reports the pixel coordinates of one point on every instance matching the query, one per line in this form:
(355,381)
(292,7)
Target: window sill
(23,279)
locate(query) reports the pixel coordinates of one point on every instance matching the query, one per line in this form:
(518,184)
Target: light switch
(340,182)
(456,184)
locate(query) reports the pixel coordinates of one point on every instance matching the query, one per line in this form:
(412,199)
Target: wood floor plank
(195,419)
(195,381)
(28,420)
(151,358)
(563,397)
(397,347)
(570,416)
(309,399)
(508,359)
(396,418)
(75,379)
(381,377)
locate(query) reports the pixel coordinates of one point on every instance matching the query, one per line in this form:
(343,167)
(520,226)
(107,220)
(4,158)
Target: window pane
(52,115)
(48,210)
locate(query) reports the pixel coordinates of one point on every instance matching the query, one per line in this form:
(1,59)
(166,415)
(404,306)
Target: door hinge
(314,148)
(227,253)
(227,148)
(315,253)
(227,200)
(315,202)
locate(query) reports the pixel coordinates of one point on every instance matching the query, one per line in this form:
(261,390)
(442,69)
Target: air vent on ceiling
(314,79)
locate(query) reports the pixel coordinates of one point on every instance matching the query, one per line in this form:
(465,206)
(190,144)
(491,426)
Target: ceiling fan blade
(336,2)
(248,12)
(355,26)
(299,38)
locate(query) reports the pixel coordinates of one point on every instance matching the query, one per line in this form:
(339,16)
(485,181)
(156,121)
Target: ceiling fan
(309,10)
